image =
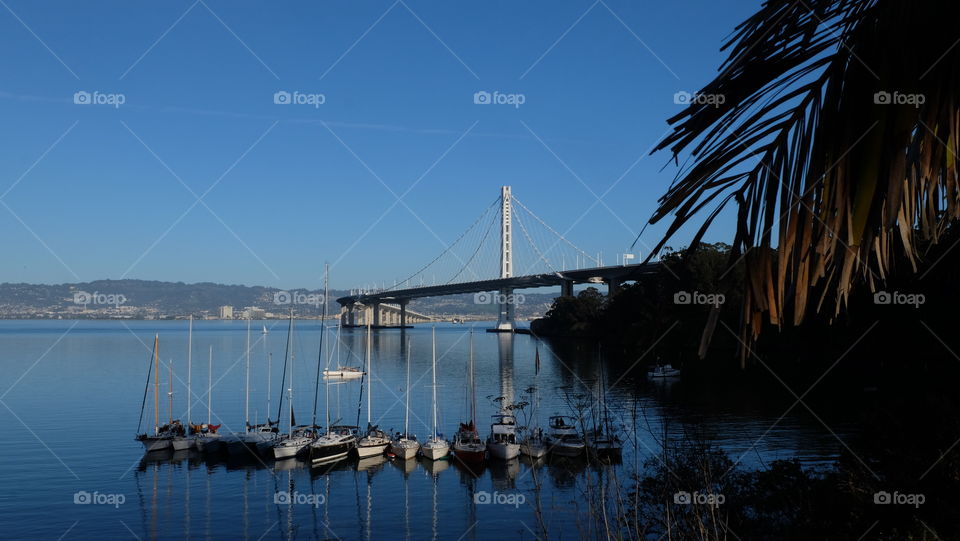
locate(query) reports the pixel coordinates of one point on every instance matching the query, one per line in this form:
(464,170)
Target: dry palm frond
(836,167)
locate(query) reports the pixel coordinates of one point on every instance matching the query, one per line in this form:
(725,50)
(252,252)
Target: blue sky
(94,191)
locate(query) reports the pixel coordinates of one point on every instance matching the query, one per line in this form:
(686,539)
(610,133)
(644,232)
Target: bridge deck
(618,273)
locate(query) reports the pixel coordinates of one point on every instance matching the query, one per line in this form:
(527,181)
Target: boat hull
(329,453)
(291,448)
(566,449)
(152,444)
(470,455)
(533,450)
(182,443)
(405,452)
(368,450)
(503,451)
(435,452)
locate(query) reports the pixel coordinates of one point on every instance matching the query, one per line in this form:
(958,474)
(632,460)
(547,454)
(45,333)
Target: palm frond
(838,141)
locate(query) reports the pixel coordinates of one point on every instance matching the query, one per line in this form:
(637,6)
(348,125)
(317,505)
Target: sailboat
(208,440)
(467,445)
(533,444)
(563,439)
(162,438)
(242,443)
(436,447)
(405,444)
(186,441)
(603,442)
(338,441)
(298,438)
(375,442)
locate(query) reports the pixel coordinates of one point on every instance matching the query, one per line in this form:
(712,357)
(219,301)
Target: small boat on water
(188,439)
(375,441)
(404,445)
(343,372)
(663,371)
(208,440)
(335,445)
(602,441)
(436,447)
(468,448)
(295,441)
(162,437)
(562,437)
(502,442)
(532,442)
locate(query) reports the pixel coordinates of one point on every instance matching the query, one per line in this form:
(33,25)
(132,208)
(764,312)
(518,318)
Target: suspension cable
(475,252)
(552,230)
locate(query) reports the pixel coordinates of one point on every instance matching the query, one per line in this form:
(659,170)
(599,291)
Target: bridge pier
(403,314)
(566,288)
(613,287)
(507,316)
(375,309)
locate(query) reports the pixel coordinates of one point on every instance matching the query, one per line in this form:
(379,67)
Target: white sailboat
(208,440)
(436,447)
(405,444)
(375,442)
(161,438)
(532,444)
(467,445)
(187,440)
(298,438)
(244,443)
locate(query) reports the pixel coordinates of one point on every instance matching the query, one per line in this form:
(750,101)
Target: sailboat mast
(434,381)
(190,371)
(369,379)
(156,384)
(406,406)
(210,386)
(323,331)
(290,398)
(170,393)
(473,387)
(246,402)
(286,359)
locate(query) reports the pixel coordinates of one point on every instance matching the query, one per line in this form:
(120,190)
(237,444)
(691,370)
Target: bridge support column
(566,288)
(505,321)
(375,308)
(613,287)
(403,314)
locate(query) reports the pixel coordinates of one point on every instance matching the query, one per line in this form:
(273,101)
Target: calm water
(71,395)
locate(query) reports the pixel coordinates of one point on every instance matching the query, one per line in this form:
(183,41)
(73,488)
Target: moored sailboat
(405,445)
(161,439)
(502,442)
(562,437)
(532,443)
(375,441)
(467,445)
(436,447)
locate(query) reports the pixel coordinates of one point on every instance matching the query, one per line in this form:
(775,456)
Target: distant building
(252,312)
(226,312)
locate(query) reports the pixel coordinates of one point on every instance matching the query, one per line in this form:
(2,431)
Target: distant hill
(148,299)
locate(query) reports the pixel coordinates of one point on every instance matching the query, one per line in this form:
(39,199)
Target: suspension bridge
(490,259)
